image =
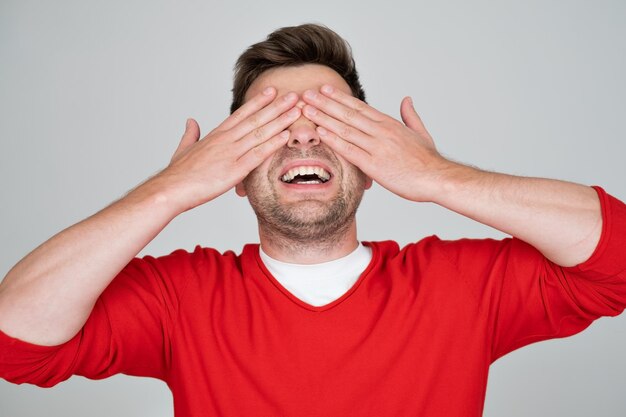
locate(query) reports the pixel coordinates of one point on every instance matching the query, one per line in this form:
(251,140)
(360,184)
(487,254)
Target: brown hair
(293,46)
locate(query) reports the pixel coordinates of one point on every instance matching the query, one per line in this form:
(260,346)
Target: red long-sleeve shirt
(414,336)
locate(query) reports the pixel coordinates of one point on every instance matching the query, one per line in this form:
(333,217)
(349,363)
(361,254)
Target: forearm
(47,297)
(561,219)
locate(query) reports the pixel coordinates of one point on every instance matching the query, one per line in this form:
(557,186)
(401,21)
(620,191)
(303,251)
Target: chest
(386,349)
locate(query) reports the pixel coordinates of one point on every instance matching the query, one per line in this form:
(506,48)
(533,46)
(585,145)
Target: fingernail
(187,123)
(310,110)
(293,112)
(322,131)
(327,89)
(410,101)
(268,91)
(310,94)
(290,96)
(284,134)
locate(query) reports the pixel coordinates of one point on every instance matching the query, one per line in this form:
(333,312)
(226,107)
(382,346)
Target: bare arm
(47,297)
(561,219)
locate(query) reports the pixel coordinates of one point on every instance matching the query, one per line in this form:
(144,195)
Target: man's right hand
(203,169)
(47,297)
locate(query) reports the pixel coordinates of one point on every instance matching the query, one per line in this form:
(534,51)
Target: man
(313,322)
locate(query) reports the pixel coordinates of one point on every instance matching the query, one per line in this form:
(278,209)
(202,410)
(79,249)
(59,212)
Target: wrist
(448,179)
(160,195)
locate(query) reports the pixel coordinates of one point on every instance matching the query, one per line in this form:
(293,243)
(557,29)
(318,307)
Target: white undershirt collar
(320,284)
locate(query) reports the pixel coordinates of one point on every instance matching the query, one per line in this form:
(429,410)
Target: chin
(311,211)
(307,220)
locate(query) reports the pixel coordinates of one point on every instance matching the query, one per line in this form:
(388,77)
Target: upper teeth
(306,170)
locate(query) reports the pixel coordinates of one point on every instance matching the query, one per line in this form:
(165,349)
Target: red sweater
(414,336)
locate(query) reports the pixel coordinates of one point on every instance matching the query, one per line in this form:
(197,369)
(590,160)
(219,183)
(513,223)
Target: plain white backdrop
(94,97)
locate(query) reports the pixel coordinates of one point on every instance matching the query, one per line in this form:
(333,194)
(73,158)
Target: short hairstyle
(293,46)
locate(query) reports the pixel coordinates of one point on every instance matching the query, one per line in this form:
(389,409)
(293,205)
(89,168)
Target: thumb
(412,120)
(191,136)
(410,116)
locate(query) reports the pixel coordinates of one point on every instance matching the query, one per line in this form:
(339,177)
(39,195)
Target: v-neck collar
(258,263)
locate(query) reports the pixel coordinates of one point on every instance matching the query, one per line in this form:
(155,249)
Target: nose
(302,134)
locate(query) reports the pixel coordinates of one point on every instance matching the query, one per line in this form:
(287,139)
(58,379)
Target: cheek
(355,176)
(349,169)
(259,175)
(251,180)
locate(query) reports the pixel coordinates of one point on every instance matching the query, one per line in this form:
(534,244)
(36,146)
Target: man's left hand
(399,156)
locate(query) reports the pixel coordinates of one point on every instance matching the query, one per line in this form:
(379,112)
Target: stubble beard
(308,222)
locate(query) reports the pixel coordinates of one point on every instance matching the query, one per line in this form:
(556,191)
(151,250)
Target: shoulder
(178,268)
(458,253)
(182,259)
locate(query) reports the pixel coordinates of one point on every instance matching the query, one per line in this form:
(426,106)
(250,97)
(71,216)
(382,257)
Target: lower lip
(307,187)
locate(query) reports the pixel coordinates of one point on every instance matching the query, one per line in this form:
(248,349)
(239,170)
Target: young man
(312,322)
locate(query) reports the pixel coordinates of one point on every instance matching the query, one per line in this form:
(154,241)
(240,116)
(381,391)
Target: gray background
(94,96)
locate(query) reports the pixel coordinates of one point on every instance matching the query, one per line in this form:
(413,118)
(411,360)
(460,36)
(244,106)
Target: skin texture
(296,115)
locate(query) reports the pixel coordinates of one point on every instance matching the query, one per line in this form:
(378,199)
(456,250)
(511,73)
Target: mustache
(315,152)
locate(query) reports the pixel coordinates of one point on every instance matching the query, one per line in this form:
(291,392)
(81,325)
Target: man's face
(304,191)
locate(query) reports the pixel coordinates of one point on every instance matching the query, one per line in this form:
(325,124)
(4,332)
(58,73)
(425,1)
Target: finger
(266,132)
(256,121)
(256,155)
(350,113)
(250,107)
(413,120)
(352,102)
(343,130)
(410,116)
(351,152)
(191,136)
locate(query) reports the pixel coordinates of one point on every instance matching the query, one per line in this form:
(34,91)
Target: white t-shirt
(320,284)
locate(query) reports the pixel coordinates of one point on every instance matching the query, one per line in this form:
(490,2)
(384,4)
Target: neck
(308,251)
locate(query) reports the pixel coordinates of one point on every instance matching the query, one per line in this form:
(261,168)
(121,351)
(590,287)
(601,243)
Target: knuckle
(349,114)
(254,121)
(345,132)
(347,147)
(237,115)
(360,106)
(259,133)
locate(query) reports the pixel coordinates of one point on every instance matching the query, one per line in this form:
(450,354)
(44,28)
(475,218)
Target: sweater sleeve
(528,298)
(128,330)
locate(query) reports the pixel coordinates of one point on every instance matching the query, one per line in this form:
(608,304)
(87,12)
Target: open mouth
(306,175)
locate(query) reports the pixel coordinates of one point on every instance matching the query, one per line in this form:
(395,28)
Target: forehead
(297,79)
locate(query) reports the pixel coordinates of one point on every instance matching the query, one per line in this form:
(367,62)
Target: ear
(240,189)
